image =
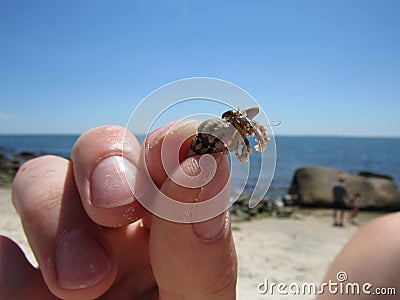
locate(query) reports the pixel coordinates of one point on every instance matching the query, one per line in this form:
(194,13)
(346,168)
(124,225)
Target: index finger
(201,255)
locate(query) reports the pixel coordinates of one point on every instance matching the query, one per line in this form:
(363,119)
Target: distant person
(355,203)
(339,193)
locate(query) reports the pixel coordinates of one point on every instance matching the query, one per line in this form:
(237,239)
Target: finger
(369,260)
(104,177)
(19,280)
(151,161)
(152,146)
(75,260)
(201,256)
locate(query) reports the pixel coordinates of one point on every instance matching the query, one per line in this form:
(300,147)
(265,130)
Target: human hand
(93,240)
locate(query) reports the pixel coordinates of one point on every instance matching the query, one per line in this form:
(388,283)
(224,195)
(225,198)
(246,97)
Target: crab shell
(218,135)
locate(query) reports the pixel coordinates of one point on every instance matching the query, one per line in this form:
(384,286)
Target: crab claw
(261,137)
(244,153)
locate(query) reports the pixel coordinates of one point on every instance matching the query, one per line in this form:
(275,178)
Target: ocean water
(352,154)
(380,155)
(60,145)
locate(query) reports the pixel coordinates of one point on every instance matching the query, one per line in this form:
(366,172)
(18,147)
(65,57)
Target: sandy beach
(283,250)
(292,250)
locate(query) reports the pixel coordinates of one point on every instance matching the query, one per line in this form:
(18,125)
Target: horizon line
(275,135)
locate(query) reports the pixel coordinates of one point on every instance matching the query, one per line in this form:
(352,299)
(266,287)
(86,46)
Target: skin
(93,241)
(371,256)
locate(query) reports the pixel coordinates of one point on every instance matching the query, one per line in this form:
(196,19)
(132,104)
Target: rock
(6,164)
(240,210)
(376,175)
(6,170)
(288,200)
(25,155)
(10,165)
(311,186)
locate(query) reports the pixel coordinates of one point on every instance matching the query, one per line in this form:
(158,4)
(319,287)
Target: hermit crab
(229,134)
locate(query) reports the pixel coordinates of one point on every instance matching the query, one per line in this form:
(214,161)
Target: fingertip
(28,180)
(178,133)
(104,140)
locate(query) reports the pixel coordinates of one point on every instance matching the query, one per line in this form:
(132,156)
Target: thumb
(195,260)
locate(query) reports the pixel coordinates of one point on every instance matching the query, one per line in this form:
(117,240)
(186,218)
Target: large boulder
(312,186)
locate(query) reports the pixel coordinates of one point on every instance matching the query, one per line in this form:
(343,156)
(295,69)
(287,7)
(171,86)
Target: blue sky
(321,67)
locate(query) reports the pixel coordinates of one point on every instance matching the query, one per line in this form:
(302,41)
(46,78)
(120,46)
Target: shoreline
(345,153)
(297,249)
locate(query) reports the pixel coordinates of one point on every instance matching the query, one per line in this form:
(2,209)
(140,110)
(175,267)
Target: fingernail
(213,229)
(159,134)
(80,260)
(111,182)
